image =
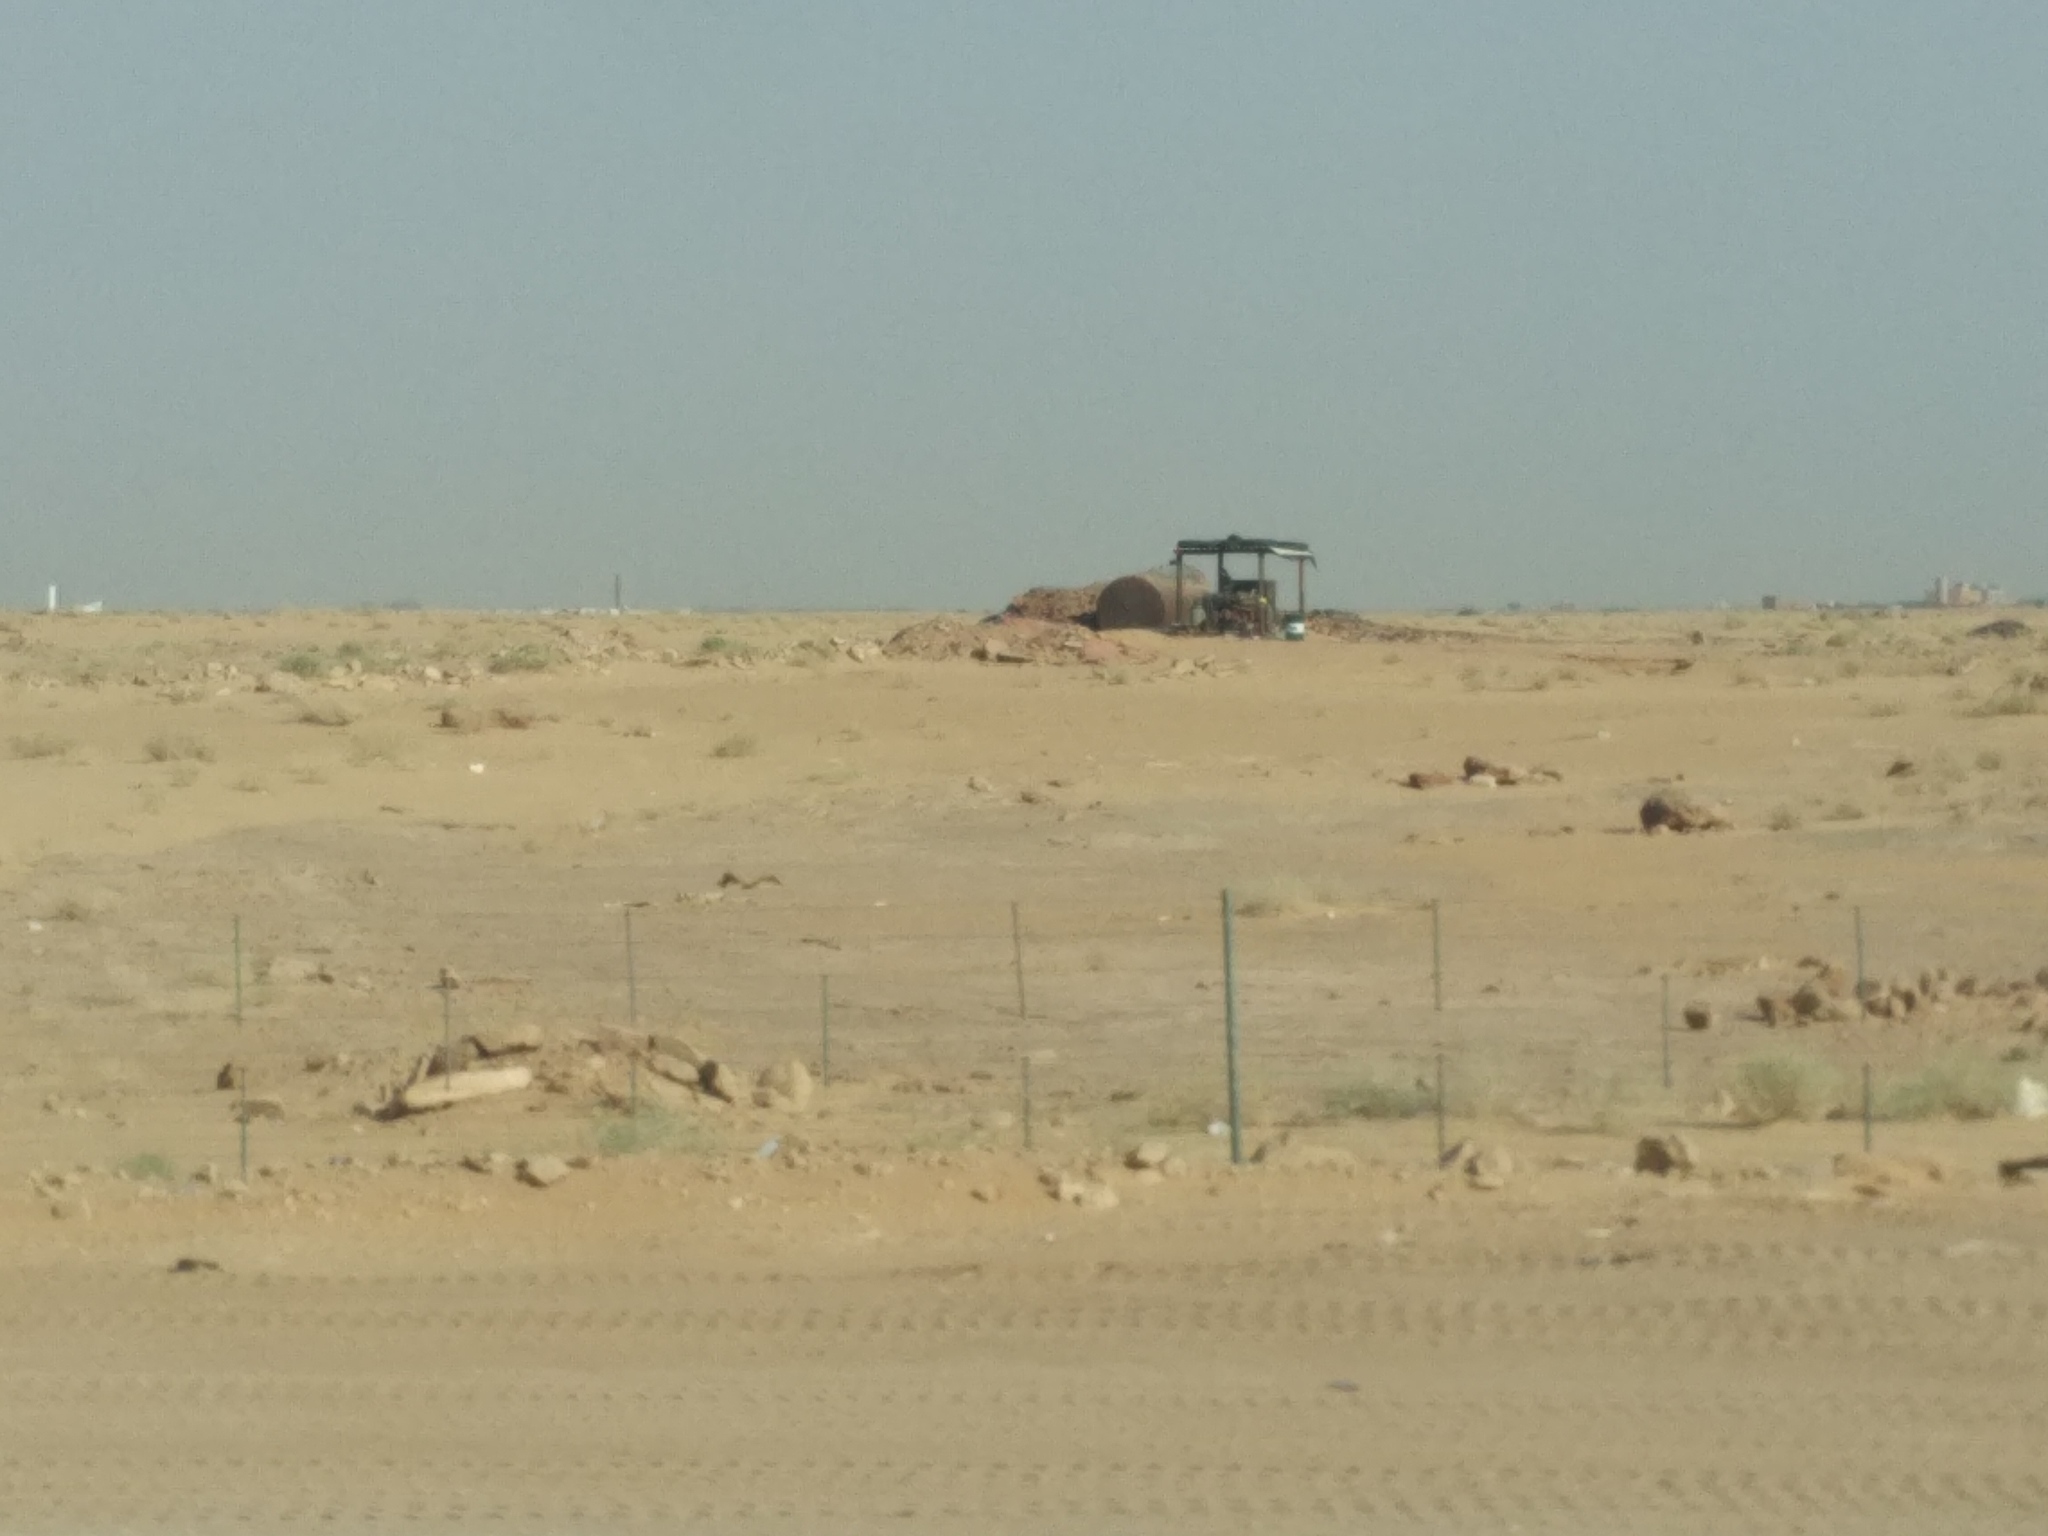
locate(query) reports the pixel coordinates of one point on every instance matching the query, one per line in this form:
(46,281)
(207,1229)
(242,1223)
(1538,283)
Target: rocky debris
(1698,1016)
(447,981)
(1283,1151)
(1671,812)
(71,1207)
(1148,1154)
(1482,773)
(675,1069)
(1489,1168)
(1485,1168)
(731,881)
(258,1109)
(1058,605)
(292,970)
(1088,1194)
(488,1162)
(677,1048)
(1901,768)
(2000,629)
(192,1266)
(229,1076)
(330,1061)
(459,1056)
(1665,1155)
(1423,778)
(1007,640)
(1811,1003)
(976,784)
(1775,1008)
(442,1092)
(721,1082)
(1874,1176)
(786,1085)
(542,1172)
(516,1041)
(987,1194)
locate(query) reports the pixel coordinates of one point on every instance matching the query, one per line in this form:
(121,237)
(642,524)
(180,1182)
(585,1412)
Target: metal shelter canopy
(1238,544)
(1244,607)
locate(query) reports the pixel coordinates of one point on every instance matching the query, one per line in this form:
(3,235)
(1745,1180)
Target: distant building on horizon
(1947,592)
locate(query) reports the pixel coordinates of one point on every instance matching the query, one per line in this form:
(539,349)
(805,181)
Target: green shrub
(177,749)
(1370,1099)
(1962,1088)
(523,658)
(303,664)
(1772,1088)
(40,745)
(147,1166)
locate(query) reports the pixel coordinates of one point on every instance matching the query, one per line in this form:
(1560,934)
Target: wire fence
(931,1022)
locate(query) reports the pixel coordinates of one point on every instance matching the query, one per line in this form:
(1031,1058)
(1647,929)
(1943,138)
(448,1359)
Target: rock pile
(1673,812)
(1481,773)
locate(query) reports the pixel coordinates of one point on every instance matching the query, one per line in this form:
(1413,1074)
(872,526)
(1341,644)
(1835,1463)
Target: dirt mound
(1057,605)
(1336,624)
(1004,639)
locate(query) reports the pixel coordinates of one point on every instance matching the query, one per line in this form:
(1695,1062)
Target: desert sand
(871,1310)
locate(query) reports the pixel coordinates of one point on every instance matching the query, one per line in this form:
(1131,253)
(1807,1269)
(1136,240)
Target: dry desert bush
(39,745)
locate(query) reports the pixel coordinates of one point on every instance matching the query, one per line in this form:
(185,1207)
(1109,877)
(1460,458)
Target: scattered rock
(987,1194)
(1775,1009)
(786,1085)
(488,1162)
(1676,813)
(459,1088)
(678,1049)
(192,1266)
(1873,1176)
(1699,1016)
(1285,1152)
(720,1081)
(71,1208)
(512,1042)
(1489,1168)
(1668,1154)
(229,1076)
(1148,1154)
(675,1069)
(1902,768)
(729,880)
(1088,1194)
(542,1172)
(1424,779)
(259,1109)
(979,785)
(292,969)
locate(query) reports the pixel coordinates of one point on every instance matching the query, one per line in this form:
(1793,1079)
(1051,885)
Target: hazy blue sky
(889,304)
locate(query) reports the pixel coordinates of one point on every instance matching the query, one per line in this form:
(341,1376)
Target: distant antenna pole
(618,594)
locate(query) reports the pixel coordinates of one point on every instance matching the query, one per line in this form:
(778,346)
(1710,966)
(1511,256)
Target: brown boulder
(1670,812)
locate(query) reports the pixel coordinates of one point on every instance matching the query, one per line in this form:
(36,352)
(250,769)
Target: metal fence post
(632,978)
(1667,1033)
(1436,951)
(1230,1028)
(241,1049)
(824,1031)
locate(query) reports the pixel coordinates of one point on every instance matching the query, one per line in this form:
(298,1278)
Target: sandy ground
(871,1313)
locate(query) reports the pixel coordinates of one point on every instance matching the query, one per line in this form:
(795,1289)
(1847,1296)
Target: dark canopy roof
(1238,544)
